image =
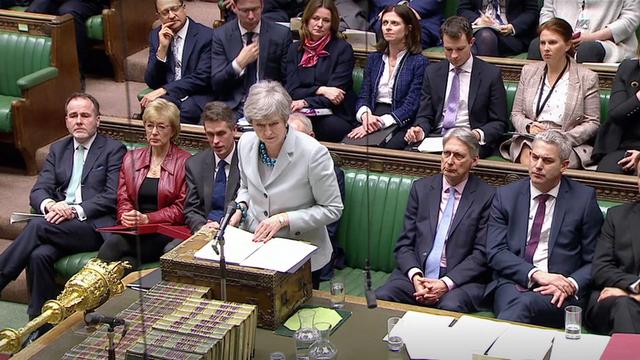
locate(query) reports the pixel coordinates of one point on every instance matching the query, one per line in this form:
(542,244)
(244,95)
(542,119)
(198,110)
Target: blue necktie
(217,195)
(496,12)
(432,264)
(76,175)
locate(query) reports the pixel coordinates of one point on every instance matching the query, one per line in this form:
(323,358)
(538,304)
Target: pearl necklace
(264,157)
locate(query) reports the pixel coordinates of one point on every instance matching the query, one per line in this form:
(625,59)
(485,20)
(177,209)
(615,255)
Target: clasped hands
(428,291)
(370,124)
(557,285)
(486,20)
(134,218)
(57,212)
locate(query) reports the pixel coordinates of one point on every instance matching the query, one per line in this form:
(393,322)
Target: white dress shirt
(444,198)
(177,47)
(243,35)
(227,159)
(78,195)
(541,255)
(554,109)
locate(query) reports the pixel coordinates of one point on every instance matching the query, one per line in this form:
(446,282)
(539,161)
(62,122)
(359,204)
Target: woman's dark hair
(412,40)
(560,27)
(310,10)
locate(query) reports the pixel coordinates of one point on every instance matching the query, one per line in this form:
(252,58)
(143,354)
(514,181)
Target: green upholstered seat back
(358,76)
(374,214)
(95,29)
(450,8)
(20,55)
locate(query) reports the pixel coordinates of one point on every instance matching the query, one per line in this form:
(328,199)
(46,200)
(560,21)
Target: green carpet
(12,315)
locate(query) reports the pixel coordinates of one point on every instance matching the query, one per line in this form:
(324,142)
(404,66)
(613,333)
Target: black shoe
(36,334)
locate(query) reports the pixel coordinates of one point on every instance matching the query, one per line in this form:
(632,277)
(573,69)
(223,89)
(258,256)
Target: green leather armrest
(144,92)
(36,78)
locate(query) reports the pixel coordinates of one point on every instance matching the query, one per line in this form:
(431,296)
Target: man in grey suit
(244,51)
(212,174)
(441,250)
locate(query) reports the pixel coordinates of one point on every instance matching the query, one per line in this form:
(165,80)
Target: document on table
(415,328)
(20,217)
(431,145)
(277,254)
(521,342)
(586,348)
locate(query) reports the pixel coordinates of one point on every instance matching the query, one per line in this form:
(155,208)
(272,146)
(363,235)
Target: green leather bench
(37,72)
(121,30)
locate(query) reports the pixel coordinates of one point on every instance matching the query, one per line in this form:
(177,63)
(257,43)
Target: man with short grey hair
(541,238)
(441,250)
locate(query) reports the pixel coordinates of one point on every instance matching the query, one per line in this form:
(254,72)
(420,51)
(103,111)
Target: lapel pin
(634,84)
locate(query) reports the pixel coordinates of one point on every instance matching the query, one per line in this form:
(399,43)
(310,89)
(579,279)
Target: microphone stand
(231,208)
(111,350)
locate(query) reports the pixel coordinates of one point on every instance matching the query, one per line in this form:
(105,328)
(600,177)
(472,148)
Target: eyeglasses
(173,9)
(160,127)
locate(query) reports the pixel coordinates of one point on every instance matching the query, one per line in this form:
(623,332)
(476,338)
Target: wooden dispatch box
(277,295)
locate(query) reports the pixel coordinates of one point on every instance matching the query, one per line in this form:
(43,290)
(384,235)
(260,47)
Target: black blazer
(616,262)
(487,101)
(274,41)
(99,191)
(200,186)
(522,14)
(196,64)
(334,70)
(465,247)
(624,110)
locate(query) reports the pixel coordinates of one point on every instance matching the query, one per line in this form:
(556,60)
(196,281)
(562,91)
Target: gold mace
(91,287)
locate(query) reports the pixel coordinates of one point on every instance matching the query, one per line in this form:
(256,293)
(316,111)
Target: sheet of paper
(478,335)
(280,254)
(522,342)
(586,348)
(421,334)
(238,246)
(431,145)
(20,217)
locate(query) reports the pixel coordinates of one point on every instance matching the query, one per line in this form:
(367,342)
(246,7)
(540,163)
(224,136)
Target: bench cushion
(95,29)
(5,113)
(21,55)
(69,265)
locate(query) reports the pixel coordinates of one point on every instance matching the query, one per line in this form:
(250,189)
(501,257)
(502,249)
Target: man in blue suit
(541,238)
(463,91)
(76,193)
(244,51)
(179,61)
(441,250)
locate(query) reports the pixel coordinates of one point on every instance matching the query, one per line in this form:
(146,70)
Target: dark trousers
(619,314)
(190,108)
(465,298)
(81,10)
(136,250)
(529,307)
(330,128)
(609,163)
(491,43)
(37,248)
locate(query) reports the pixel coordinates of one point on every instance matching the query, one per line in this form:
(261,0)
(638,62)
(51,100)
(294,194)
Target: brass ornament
(91,287)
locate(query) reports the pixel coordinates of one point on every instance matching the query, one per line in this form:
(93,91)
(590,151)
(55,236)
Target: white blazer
(303,184)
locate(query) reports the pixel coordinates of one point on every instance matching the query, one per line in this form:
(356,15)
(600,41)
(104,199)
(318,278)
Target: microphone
(95,318)
(369,294)
(231,209)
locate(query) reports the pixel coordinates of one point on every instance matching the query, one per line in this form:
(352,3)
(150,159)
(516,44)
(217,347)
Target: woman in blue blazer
(392,83)
(319,72)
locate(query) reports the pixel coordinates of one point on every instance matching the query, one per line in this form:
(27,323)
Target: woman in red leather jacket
(152,187)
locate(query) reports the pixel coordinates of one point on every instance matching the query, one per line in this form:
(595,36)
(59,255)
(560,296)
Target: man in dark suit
(81,10)
(614,305)
(541,238)
(76,193)
(441,250)
(463,91)
(211,185)
(244,51)
(179,63)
